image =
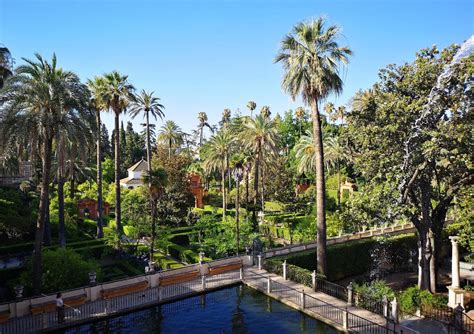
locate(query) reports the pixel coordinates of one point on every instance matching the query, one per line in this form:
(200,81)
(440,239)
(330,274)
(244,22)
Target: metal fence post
(458,321)
(394,306)
(313,279)
(269,284)
(385,306)
(107,306)
(203,282)
(350,294)
(303,301)
(345,319)
(241,273)
(259,257)
(284,270)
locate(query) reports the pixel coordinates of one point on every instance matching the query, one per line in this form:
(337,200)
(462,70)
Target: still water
(232,310)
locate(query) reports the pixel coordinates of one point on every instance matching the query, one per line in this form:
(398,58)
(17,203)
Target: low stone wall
(392,230)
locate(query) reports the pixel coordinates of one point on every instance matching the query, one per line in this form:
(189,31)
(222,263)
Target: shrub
(413,299)
(63,269)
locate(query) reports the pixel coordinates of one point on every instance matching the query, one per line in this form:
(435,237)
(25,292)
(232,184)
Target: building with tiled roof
(135,175)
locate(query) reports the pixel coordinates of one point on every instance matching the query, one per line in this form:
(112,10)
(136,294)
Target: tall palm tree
(364,100)
(219,149)
(304,154)
(97,88)
(118,94)
(171,135)
(6,64)
(265,111)
(329,108)
(312,60)
(202,118)
(33,99)
(226,117)
(258,134)
(157,180)
(339,113)
(300,114)
(335,154)
(251,106)
(148,104)
(73,134)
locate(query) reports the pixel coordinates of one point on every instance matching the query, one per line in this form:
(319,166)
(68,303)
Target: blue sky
(202,55)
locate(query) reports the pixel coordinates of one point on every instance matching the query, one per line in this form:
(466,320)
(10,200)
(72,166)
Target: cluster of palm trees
(56,117)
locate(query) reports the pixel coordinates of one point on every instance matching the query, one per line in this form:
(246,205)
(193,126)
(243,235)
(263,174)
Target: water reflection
(234,310)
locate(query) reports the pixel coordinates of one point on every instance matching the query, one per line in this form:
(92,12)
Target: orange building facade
(197,190)
(88,208)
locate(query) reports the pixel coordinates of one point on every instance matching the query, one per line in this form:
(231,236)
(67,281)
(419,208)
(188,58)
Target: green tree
(202,118)
(118,93)
(97,104)
(251,106)
(219,148)
(171,135)
(33,102)
(312,59)
(406,139)
(258,135)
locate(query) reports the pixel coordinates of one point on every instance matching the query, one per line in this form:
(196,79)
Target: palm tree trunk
(262,172)
(320,189)
(47,227)
(237,209)
(255,181)
(224,205)
(153,229)
(200,136)
(148,146)
(40,223)
(62,224)
(338,186)
(100,230)
(117,175)
(247,176)
(169,149)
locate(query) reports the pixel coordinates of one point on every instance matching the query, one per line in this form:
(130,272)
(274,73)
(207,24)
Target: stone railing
(389,230)
(105,299)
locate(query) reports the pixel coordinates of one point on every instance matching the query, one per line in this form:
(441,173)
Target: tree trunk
(62,224)
(224,205)
(47,227)
(200,136)
(262,179)
(40,223)
(338,187)
(117,175)
(153,229)
(255,185)
(100,230)
(148,146)
(237,209)
(247,176)
(424,258)
(320,189)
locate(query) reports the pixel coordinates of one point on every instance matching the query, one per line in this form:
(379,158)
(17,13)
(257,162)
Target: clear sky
(200,55)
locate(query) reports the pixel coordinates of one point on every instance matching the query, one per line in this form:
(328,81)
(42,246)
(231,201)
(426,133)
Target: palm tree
(33,99)
(300,114)
(149,104)
(118,94)
(335,154)
(226,117)
(6,64)
(339,113)
(329,108)
(364,100)
(258,134)
(312,58)
(265,111)
(72,134)
(97,88)
(251,106)
(170,134)
(202,118)
(157,179)
(304,154)
(219,148)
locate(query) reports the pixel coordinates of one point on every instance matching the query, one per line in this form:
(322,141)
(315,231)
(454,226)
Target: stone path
(257,279)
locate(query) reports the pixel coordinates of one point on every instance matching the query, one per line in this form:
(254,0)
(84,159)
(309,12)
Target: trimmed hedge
(354,258)
(184,254)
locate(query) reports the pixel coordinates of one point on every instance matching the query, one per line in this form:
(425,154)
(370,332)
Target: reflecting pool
(237,309)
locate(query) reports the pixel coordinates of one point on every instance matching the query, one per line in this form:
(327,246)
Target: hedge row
(184,254)
(27,247)
(355,258)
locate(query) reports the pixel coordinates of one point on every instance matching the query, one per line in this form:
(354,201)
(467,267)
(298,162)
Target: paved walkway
(257,279)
